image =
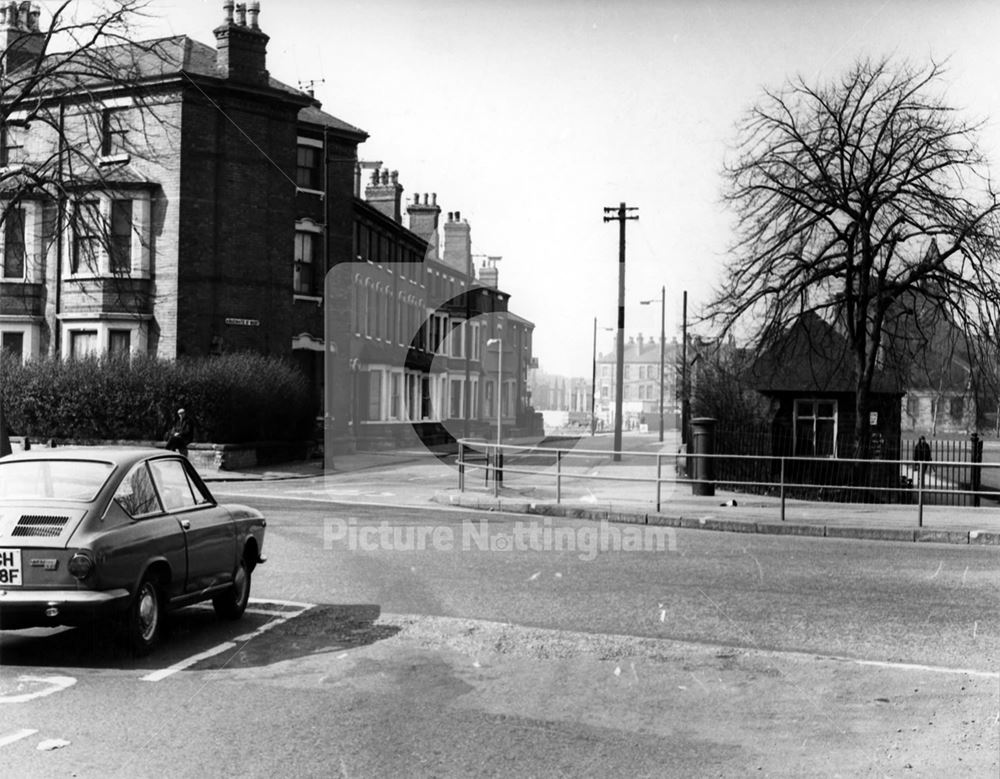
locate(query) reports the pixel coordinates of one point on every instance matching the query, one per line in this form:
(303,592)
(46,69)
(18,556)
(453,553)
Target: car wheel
(232,602)
(144,623)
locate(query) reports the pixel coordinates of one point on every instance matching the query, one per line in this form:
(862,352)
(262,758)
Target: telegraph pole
(621,215)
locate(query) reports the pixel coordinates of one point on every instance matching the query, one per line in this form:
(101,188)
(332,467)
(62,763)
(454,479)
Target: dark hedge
(234,398)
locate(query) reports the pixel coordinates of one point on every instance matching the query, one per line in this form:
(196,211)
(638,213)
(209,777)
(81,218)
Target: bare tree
(868,202)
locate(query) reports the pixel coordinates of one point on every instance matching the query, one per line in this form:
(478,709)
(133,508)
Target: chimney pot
(227,7)
(434,198)
(451,216)
(253,11)
(241,14)
(458,216)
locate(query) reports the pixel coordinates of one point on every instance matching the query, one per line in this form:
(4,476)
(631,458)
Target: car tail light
(81,566)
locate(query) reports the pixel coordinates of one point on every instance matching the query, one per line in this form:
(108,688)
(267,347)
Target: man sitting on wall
(180,434)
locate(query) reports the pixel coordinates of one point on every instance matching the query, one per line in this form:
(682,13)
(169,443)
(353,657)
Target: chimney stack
(489,274)
(424,218)
(21,40)
(241,47)
(458,244)
(385,193)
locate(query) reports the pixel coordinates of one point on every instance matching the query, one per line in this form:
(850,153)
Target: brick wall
(237,225)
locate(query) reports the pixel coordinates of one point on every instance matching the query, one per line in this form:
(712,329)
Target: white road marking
(46,686)
(267,612)
(933,668)
(290,603)
(17,735)
(280,617)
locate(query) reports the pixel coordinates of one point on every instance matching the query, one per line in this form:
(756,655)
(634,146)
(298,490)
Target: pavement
(617,493)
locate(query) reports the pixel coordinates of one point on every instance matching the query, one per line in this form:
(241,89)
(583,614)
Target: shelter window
(815,428)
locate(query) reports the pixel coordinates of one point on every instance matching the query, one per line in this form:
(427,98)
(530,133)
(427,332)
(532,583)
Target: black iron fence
(842,480)
(877,477)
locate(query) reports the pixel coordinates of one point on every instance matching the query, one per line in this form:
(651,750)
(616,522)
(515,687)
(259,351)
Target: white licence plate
(10,568)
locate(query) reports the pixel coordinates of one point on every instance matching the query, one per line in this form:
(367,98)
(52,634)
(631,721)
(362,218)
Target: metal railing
(899,482)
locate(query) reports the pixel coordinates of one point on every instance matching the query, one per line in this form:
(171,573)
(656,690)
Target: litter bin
(703,468)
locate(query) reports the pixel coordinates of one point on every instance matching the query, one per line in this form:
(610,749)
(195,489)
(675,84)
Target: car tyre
(232,602)
(144,621)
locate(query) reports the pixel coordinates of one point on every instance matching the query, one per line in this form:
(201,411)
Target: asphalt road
(934,604)
(488,652)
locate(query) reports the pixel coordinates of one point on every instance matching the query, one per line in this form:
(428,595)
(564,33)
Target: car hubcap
(148,613)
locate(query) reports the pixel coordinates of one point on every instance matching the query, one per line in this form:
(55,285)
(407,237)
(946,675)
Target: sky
(530,117)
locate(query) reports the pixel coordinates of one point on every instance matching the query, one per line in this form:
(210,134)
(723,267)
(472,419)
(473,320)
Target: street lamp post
(593,385)
(685,408)
(593,381)
(499,395)
(663,336)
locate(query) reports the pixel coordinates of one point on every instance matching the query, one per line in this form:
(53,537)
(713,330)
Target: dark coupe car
(124,533)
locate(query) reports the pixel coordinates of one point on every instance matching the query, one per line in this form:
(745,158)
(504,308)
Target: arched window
(383,313)
(400,317)
(360,303)
(371,309)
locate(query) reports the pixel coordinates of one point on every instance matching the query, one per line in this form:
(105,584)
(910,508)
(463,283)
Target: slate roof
(813,356)
(162,58)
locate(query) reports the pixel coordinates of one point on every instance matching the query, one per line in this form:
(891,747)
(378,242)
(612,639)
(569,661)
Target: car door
(125,550)
(209,530)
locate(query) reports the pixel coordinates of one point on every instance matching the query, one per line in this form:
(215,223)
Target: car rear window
(54,479)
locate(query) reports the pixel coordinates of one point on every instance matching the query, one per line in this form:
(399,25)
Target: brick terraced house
(198,207)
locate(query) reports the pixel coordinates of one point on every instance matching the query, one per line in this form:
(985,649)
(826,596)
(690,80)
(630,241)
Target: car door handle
(185,524)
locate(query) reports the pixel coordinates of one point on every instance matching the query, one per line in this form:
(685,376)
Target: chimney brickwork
(489,274)
(457,243)
(241,46)
(21,40)
(423,220)
(386,193)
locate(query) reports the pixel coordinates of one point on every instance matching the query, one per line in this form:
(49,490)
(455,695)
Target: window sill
(307,191)
(298,296)
(104,277)
(113,159)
